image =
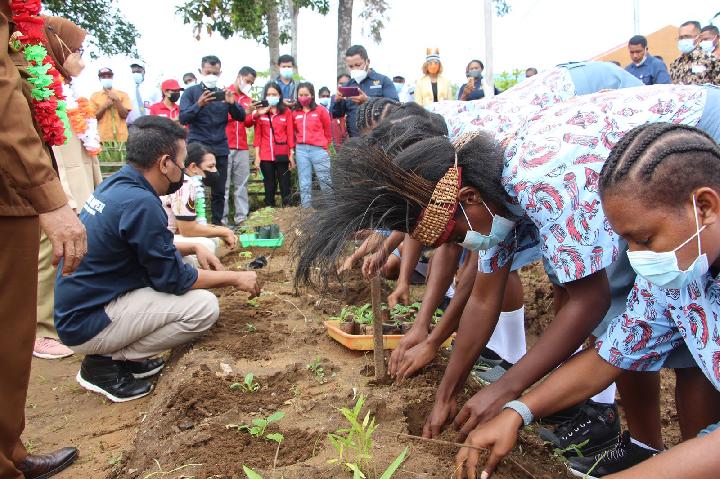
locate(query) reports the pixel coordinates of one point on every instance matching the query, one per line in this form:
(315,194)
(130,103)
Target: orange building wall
(662,42)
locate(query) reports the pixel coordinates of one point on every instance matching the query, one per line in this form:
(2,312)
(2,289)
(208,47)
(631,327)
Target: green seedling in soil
(249,384)
(258,427)
(399,314)
(250,327)
(250,473)
(245,255)
(355,443)
(317,370)
(253,302)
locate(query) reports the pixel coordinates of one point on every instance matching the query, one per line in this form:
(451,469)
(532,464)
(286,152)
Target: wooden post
(379,353)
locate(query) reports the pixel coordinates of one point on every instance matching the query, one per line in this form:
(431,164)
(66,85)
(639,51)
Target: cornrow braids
(664,161)
(373,111)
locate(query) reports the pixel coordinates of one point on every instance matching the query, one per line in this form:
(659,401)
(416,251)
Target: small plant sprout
(250,327)
(249,384)
(253,302)
(354,444)
(245,255)
(317,370)
(259,425)
(250,473)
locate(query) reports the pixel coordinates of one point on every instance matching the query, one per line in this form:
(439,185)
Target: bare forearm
(410,256)
(451,319)
(193,229)
(576,380)
(215,279)
(441,275)
(589,299)
(185,249)
(122,111)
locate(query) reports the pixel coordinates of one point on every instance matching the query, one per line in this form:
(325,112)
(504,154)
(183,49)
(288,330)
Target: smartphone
(349,91)
(261,104)
(219,95)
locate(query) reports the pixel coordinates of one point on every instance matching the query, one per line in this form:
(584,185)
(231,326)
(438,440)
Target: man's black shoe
(102,375)
(143,368)
(564,415)
(595,428)
(42,466)
(623,455)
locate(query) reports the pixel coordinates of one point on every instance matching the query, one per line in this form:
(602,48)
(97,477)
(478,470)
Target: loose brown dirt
(183,429)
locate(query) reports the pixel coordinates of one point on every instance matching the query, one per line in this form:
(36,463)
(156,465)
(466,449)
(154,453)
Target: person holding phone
(204,108)
(473,89)
(364,83)
(274,142)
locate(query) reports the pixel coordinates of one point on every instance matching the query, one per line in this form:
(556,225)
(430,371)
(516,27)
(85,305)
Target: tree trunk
(345,9)
(293,10)
(273,37)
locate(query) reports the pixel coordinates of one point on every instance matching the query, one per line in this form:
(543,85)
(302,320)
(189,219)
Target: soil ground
(180,430)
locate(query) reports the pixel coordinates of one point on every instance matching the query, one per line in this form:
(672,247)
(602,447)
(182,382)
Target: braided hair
(662,162)
(373,111)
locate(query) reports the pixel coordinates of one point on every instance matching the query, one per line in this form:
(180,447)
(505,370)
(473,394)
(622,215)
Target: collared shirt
(161,109)
(110,126)
(287,89)
(181,205)
(129,247)
(149,95)
(207,124)
(375,85)
(651,72)
(695,68)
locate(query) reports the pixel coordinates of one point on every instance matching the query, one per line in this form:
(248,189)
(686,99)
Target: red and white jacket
(312,127)
(235,130)
(278,143)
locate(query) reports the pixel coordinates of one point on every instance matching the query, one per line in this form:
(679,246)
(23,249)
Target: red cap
(170,85)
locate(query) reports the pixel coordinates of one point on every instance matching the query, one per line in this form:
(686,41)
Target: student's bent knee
(205,310)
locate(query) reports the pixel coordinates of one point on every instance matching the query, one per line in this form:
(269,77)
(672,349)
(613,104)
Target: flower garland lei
(83,122)
(47,85)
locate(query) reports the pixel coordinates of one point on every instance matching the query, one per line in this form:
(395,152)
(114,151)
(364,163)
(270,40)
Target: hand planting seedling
(249,384)
(359,319)
(317,370)
(354,444)
(258,427)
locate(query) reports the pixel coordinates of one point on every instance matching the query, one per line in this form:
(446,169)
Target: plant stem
(375,291)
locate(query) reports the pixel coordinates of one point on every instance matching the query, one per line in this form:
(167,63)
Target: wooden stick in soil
(375,292)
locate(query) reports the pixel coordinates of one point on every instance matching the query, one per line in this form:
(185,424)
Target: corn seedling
(258,427)
(575,449)
(354,444)
(253,302)
(250,327)
(245,255)
(317,370)
(249,384)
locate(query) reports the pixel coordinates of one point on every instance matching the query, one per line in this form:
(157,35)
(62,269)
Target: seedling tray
(364,342)
(250,240)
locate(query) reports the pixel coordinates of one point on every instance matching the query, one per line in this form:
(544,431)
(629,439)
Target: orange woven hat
(437,220)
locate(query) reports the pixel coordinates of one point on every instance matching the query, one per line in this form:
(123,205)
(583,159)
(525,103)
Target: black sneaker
(110,378)
(143,368)
(595,428)
(487,360)
(563,416)
(623,455)
(493,375)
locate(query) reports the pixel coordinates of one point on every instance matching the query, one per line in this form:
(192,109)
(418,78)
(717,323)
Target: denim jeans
(309,157)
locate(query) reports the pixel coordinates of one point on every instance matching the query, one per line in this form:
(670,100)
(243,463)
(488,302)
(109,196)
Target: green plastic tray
(249,240)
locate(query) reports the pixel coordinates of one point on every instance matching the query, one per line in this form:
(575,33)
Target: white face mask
(246,88)
(708,46)
(210,81)
(662,269)
(286,72)
(641,61)
(358,75)
(106,83)
(686,45)
(138,78)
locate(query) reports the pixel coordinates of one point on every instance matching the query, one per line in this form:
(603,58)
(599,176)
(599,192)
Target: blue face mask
(686,45)
(500,229)
(273,100)
(662,269)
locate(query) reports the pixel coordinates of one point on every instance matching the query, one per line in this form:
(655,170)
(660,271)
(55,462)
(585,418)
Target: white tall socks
(508,339)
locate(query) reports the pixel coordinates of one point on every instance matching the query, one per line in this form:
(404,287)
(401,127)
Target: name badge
(698,69)
(375,86)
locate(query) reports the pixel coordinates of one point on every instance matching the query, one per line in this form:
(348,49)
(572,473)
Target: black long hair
(384,180)
(271,84)
(311,89)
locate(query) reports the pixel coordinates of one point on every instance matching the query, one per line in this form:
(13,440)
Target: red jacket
(235,130)
(279,143)
(312,127)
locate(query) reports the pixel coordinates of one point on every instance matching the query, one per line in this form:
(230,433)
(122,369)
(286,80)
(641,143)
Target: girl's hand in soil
(207,260)
(401,295)
(498,435)
(415,359)
(415,336)
(482,407)
(347,265)
(442,413)
(247,281)
(229,238)
(373,263)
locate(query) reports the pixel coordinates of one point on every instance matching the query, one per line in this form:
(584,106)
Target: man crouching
(132,296)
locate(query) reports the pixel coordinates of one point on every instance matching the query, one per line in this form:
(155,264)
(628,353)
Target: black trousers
(276,172)
(217,197)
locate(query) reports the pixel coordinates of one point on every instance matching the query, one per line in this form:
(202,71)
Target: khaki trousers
(145,322)
(46,291)
(18,307)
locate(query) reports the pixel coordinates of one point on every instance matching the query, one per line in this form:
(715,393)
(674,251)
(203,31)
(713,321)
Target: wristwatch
(520,408)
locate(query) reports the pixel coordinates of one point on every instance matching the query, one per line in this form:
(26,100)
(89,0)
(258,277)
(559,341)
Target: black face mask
(174,96)
(175,185)
(211,178)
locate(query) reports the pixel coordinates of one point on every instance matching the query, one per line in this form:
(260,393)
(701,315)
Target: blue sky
(538,33)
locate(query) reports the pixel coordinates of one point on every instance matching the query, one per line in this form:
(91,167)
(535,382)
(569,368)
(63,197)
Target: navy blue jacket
(652,72)
(374,85)
(207,124)
(129,247)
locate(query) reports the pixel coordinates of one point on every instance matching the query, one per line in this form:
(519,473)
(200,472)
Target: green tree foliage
(111,33)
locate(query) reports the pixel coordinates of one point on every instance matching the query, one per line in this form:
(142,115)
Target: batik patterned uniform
(695,68)
(658,320)
(552,169)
